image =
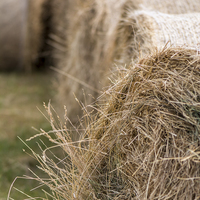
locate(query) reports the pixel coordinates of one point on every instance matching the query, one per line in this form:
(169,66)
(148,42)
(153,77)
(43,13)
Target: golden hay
(57,33)
(103,33)
(149,30)
(171,6)
(91,50)
(144,143)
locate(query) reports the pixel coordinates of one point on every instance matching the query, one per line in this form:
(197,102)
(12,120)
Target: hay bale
(147,134)
(21,33)
(91,50)
(171,6)
(101,34)
(57,32)
(143,142)
(12,26)
(149,30)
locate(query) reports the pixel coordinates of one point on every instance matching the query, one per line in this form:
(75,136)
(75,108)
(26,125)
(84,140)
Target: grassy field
(20,96)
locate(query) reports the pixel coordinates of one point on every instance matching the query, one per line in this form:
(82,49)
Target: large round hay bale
(144,142)
(21,34)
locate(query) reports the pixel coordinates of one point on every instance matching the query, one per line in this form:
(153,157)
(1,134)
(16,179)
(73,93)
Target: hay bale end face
(147,135)
(144,141)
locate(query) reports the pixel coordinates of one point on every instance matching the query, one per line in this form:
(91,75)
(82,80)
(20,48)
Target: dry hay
(101,34)
(171,6)
(144,31)
(57,31)
(91,50)
(21,33)
(144,143)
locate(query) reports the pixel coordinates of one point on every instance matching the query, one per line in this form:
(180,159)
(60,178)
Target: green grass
(20,95)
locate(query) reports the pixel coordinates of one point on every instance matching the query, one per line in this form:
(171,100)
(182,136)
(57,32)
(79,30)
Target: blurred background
(25,83)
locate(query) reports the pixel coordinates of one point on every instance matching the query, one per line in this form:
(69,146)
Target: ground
(21,98)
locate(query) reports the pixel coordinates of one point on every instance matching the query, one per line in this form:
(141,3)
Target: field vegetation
(21,98)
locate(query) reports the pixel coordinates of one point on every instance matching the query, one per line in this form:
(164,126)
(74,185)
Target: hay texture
(144,141)
(101,34)
(170,6)
(57,31)
(91,50)
(149,30)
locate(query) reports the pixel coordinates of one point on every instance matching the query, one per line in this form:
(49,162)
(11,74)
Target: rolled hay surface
(21,33)
(170,6)
(91,50)
(146,31)
(143,142)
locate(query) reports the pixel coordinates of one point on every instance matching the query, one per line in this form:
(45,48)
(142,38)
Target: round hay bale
(144,142)
(146,31)
(21,34)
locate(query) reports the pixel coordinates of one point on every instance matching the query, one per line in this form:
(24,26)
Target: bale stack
(144,141)
(21,34)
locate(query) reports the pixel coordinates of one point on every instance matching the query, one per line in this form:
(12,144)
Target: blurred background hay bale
(103,34)
(56,37)
(21,34)
(91,51)
(144,141)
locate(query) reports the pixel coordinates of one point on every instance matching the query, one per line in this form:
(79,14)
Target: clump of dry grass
(144,141)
